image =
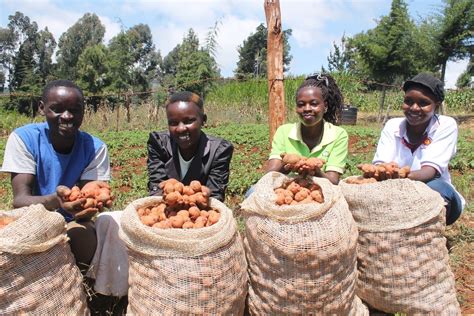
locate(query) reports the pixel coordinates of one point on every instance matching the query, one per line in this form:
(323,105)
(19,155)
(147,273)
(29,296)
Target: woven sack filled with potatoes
(302,256)
(38,274)
(184,271)
(402,255)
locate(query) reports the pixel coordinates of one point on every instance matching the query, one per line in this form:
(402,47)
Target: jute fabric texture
(184,271)
(38,275)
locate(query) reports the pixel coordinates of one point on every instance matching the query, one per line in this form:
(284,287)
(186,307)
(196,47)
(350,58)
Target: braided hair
(331,95)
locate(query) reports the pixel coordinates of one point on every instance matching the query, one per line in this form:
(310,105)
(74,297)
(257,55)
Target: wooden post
(276,91)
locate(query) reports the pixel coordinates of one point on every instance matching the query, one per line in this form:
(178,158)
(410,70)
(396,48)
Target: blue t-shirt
(52,168)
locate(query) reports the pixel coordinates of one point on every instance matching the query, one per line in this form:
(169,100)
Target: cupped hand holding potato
(84,203)
(382,171)
(302,165)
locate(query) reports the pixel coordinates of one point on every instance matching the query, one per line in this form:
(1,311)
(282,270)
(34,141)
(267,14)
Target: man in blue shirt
(42,156)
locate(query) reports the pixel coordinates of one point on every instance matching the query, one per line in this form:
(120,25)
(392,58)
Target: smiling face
(63,108)
(419,105)
(185,121)
(310,106)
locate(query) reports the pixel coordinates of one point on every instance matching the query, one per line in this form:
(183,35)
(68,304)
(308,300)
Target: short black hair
(331,95)
(60,83)
(186,96)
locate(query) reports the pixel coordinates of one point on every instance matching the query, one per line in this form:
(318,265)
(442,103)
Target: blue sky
(316,24)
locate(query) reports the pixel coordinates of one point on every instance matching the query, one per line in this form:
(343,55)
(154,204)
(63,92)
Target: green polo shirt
(333,147)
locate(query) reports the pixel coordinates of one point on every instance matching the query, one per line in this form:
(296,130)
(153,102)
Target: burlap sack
(402,255)
(184,271)
(302,258)
(38,275)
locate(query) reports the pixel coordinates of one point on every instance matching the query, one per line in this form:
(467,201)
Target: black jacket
(210,165)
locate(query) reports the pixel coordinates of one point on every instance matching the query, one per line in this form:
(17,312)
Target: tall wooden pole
(276,91)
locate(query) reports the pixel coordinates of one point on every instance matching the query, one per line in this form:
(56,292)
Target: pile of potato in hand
(301,165)
(183,206)
(379,172)
(299,191)
(92,198)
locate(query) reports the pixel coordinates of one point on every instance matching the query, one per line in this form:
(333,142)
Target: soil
(461,250)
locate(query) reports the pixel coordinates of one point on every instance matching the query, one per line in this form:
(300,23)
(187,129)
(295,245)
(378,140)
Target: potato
(195,185)
(176,221)
(194,212)
(5,220)
(147,220)
(290,158)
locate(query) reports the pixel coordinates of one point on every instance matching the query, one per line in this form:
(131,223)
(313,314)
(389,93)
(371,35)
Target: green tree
(253,54)
(388,50)
(454,32)
(120,60)
(146,61)
(339,60)
(92,68)
(46,46)
(464,80)
(26,58)
(196,67)
(87,31)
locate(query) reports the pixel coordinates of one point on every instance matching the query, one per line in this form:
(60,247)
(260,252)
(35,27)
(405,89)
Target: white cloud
(112,28)
(232,33)
(453,71)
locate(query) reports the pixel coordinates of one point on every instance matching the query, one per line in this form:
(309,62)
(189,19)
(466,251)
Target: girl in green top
(318,104)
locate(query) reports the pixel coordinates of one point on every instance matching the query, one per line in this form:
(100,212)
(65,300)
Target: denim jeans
(447,192)
(249,191)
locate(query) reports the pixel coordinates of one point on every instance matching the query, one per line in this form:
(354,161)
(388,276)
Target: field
(127,146)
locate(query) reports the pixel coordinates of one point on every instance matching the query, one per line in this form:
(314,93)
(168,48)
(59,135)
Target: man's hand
(79,208)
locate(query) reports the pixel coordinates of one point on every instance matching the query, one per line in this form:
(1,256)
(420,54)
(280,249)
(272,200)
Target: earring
(325,110)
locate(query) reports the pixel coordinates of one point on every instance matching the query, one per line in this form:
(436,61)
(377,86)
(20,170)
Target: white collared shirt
(436,151)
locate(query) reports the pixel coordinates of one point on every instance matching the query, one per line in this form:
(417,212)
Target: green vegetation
(128,159)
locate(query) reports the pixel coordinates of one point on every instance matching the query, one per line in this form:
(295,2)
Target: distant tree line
(394,50)
(398,48)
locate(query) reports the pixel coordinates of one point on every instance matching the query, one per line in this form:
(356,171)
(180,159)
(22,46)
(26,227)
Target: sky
(316,24)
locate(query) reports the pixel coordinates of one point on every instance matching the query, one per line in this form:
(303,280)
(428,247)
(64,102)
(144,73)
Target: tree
(253,54)
(120,61)
(388,50)
(92,68)
(46,46)
(339,59)
(196,67)
(26,58)
(146,62)
(87,31)
(464,80)
(454,32)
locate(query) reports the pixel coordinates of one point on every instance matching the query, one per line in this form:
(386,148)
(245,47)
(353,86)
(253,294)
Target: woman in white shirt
(423,140)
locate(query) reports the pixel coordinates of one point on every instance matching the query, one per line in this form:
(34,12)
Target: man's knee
(83,242)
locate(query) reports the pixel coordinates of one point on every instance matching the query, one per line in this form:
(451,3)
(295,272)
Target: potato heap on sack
(5,220)
(97,194)
(301,165)
(183,206)
(299,190)
(379,172)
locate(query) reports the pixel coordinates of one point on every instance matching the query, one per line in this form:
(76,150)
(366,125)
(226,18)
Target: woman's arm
(274,165)
(332,176)
(425,174)
(218,178)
